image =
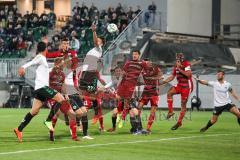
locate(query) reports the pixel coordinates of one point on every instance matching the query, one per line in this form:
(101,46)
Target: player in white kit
(222,101)
(42,92)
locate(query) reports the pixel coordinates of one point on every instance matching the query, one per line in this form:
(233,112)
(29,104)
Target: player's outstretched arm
(34,61)
(54,54)
(102,81)
(94,28)
(21,71)
(169,79)
(204,82)
(234,94)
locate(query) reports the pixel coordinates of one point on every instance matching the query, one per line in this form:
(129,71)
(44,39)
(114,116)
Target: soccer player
(69,56)
(112,86)
(222,101)
(131,72)
(91,97)
(70,63)
(182,71)
(57,82)
(42,92)
(151,77)
(89,76)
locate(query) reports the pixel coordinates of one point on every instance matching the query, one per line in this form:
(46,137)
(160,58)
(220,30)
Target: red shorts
(87,102)
(120,106)
(125,89)
(50,103)
(153,100)
(65,107)
(184,91)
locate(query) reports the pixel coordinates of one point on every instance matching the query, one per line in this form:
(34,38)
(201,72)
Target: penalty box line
(114,143)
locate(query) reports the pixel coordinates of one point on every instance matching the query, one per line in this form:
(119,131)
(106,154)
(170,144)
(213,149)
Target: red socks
(181,116)
(170,105)
(65,106)
(100,117)
(54,121)
(150,120)
(124,113)
(101,122)
(73,127)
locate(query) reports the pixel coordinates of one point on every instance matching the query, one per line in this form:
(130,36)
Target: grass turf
(220,142)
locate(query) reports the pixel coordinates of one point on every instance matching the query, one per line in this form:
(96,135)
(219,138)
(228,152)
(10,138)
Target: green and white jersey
(221,92)
(42,71)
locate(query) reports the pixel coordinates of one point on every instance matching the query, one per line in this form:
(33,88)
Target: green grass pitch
(221,142)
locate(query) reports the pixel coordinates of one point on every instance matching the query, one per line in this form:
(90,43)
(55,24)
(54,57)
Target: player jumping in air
(89,76)
(42,92)
(132,70)
(57,82)
(70,63)
(222,101)
(182,71)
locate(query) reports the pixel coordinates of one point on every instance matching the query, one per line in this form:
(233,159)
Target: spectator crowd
(77,27)
(19,32)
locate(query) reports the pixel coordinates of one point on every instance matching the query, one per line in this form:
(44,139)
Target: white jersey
(42,71)
(90,62)
(69,81)
(221,92)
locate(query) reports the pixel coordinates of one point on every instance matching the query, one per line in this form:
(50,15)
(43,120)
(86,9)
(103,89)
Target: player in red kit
(132,70)
(182,71)
(69,56)
(70,62)
(151,77)
(57,81)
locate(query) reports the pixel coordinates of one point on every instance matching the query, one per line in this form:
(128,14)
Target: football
(112,28)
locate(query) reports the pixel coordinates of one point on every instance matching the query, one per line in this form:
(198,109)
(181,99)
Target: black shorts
(218,110)
(44,93)
(75,102)
(88,81)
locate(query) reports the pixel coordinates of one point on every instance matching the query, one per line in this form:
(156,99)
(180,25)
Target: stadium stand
(78,25)
(19,33)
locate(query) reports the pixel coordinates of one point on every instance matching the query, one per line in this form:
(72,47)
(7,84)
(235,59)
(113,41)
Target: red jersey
(183,81)
(56,79)
(60,53)
(151,85)
(129,81)
(67,55)
(133,69)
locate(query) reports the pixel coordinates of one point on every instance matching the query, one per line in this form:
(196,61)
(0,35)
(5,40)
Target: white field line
(108,144)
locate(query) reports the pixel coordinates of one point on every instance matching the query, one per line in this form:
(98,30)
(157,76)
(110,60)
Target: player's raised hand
(21,71)
(94,27)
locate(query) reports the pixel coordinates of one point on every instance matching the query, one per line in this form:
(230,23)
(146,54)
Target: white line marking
(114,143)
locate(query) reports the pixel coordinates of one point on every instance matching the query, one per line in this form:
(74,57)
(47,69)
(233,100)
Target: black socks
(85,125)
(25,121)
(114,120)
(209,124)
